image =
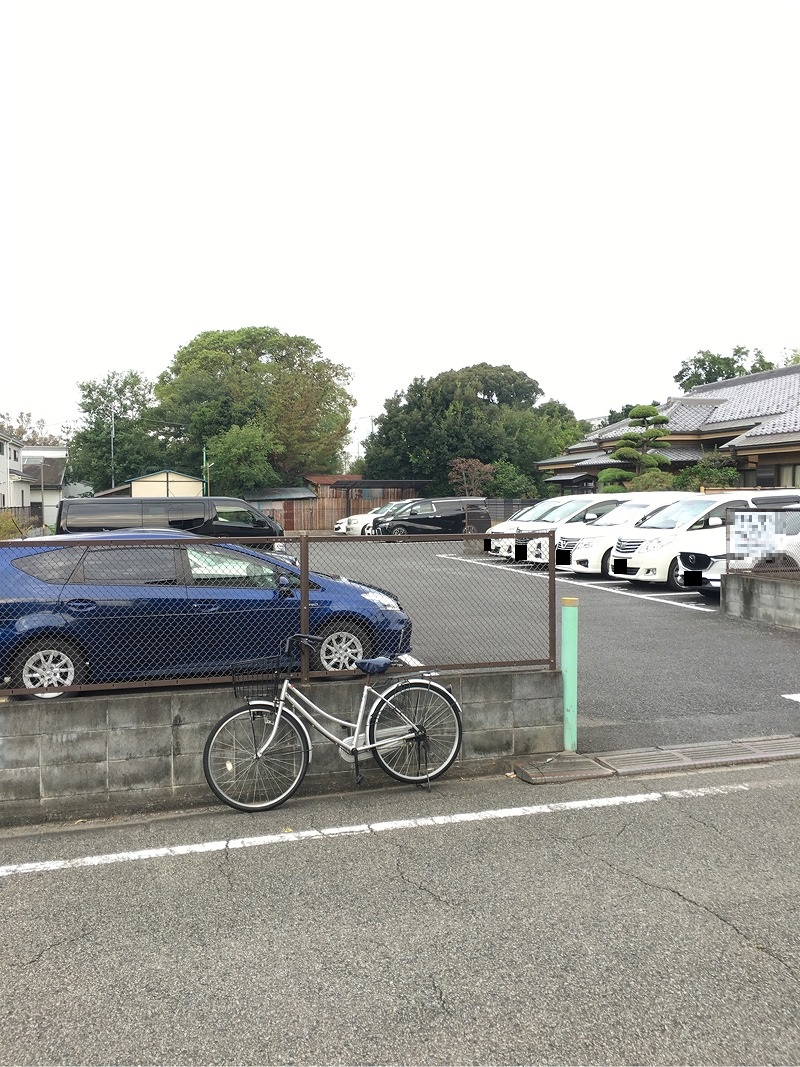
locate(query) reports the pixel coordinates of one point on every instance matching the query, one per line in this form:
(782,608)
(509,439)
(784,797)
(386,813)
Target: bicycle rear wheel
(435,717)
(238,775)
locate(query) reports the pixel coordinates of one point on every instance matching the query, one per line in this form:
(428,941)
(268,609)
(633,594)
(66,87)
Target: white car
(650,551)
(360,525)
(769,542)
(575,511)
(504,546)
(355,524)
(586,547)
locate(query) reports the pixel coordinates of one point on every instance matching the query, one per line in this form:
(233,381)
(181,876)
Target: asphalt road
(646,921)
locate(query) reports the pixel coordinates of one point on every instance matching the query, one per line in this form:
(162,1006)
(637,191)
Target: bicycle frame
(306,709)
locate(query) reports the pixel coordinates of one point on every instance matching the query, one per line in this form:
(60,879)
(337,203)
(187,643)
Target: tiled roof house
(755,420)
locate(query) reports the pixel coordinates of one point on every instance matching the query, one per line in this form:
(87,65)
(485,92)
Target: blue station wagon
(137,605)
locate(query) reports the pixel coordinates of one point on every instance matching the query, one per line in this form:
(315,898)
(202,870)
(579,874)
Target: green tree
(239,458)
(792,358)
(635,447)
(278,388)
(116,439)
(709,367)
(713,469)
(510,482)
(486,412)
(652,481)
(614,417)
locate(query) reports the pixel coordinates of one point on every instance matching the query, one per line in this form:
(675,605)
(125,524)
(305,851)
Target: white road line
(293,837)
(608,587)
(791,696)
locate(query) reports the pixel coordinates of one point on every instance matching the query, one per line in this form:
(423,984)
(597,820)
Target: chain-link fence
(141,610)
(764,542)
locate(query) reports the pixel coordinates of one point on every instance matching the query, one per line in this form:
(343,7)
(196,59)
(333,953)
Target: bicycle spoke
(436,719)
(242,778)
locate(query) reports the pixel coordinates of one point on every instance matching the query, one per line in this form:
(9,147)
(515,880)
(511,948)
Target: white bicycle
(257,755)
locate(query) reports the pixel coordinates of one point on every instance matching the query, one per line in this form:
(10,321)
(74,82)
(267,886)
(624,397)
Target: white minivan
(586,547)
(703,564)
(650,551)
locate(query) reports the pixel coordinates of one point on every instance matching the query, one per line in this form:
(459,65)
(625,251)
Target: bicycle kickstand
(358,775)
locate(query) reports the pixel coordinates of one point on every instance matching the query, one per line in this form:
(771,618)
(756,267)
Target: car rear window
(53,565)
(134,565)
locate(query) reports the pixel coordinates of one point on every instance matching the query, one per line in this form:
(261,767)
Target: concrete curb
(547,768)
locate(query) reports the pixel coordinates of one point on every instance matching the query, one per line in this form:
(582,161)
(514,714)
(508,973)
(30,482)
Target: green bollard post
(569,670)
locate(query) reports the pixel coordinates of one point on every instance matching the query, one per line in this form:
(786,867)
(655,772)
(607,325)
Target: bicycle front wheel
(432,717)
(242,778)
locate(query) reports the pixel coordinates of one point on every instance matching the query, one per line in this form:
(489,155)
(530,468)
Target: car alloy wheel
(341,647)
(48,663)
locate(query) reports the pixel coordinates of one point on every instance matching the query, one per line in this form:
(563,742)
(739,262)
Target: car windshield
(536,511)
(566,510)
(678,514)
(626,513)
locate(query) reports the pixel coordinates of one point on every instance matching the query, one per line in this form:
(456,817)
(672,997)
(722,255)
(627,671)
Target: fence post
(551,599)
(304,608)
(569,670)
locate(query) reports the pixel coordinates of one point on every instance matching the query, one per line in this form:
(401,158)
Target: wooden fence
(319,516)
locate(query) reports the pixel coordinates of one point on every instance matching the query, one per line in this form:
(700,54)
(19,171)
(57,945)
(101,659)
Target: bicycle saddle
(373,666)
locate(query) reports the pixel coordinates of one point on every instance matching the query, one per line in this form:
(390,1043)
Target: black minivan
(452,514)
(209,516)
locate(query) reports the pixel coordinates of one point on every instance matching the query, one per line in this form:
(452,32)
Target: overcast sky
(587,191)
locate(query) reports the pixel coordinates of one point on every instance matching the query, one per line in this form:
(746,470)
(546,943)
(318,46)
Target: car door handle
(205,607)
(81,606)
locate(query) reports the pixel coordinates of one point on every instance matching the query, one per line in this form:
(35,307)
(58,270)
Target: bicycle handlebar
(296,640)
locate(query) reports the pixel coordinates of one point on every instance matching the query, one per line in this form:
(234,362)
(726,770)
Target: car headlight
(585,544)
(657,543)
(382,600)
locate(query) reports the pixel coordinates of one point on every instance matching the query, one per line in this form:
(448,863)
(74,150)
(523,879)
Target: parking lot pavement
(651,676)
(684,599)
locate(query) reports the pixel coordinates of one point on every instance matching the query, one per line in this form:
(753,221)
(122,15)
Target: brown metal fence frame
(305,674)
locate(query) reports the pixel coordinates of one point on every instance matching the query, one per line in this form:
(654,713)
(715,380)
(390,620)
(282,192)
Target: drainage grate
(710,751)
(636,761)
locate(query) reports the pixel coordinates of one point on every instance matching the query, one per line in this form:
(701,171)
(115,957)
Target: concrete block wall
(124,753)
(753,596)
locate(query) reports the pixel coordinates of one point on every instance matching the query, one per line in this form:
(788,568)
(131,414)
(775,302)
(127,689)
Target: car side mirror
(590,517)
(284,586)
(716,520)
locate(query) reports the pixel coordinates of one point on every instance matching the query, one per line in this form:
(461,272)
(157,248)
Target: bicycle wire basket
(258,679)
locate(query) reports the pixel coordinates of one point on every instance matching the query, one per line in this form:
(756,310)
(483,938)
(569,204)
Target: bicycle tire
(429,706)
(235,775)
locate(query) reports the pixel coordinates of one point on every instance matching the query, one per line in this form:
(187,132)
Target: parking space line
(609,587)
(791,696)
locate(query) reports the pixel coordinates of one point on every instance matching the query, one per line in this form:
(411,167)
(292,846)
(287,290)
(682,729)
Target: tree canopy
(484,413)
(116,439)
(291,401)
(256,406)
(709,367)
